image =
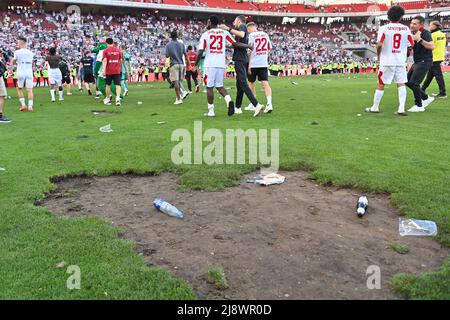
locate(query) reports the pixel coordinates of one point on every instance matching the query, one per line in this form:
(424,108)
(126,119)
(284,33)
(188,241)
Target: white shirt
(214,42)
(261,48)
(24,60)
(396,39)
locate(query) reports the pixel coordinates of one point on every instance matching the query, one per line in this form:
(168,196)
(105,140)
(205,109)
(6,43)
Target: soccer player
(394,39)
(24,60)
(55,75)
(112,67)
(258,65)
(175,50)
(87,69)
(240,59)
(125,70)
(440,44)
(213,43)
(192,71)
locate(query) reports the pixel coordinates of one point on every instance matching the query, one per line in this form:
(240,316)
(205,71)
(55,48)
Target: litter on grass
(266,180)
(294,83)
(161,122)
(2,169)
(139,102)
(106,128)
(413,227)
(363,91)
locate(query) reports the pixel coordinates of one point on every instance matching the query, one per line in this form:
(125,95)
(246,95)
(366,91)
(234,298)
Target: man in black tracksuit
(240,59)
(423,59)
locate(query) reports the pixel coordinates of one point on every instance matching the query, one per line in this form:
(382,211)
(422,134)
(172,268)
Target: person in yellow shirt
(440,46)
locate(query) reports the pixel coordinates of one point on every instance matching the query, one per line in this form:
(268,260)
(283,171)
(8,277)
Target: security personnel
(45,76)
(146,73)
(15,77)
(37,74)
(440,43)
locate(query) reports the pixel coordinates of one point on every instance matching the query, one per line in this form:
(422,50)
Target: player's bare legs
(228,100)
(176,86)
(401,87)
(21,99)
(252,86)
(210,100)
(118,92)
(108,91)
(377,99)
(268,92)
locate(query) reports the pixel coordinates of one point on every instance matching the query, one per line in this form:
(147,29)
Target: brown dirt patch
(297,240)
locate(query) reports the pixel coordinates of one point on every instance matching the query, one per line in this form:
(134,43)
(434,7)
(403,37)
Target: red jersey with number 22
(113,57)
(396,39)
(214,42)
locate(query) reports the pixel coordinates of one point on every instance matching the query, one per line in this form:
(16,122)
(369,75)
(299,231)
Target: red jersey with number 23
(214,42)
(396,39)
(113,57)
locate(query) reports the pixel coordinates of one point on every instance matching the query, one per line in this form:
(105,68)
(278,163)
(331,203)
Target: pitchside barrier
(285,73)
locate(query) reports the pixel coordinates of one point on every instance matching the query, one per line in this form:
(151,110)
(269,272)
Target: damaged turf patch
(298,239)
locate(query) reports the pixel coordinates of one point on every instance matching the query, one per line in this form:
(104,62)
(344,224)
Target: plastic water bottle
(362,205)
(167,208)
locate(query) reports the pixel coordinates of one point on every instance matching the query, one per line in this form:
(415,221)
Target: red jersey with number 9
(214,42)
(396,39)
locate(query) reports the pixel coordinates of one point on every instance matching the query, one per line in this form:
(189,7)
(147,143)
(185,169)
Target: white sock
(60,94)
(227,99)
(22,101)
(269,100)
(377,99)
(211,107)
(401,98)
(52,93)
(30,104)
(117,98)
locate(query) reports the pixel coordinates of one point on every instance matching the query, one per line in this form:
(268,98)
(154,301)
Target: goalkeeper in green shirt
(125,70)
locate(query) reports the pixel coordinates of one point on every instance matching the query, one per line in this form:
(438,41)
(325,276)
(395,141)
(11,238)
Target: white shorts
(55,77)
(25,81)
(387,74)
(214,77)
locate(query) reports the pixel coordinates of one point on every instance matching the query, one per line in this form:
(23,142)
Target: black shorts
(66,80)
(116,78)
(261,73)
(88,78)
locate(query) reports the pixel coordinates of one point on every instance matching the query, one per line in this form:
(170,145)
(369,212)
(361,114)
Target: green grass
(216,276)
(407,157)
(399,247)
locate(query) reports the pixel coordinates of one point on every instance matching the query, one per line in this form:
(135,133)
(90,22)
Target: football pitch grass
(320,130)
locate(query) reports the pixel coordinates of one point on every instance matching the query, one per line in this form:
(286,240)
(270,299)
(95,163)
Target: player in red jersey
(192,71)
(112,69)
